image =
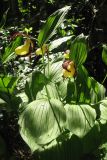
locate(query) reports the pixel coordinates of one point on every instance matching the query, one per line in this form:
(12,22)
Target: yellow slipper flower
(68,69)
(67,74)
(25,48)
(40,51)
(70,66)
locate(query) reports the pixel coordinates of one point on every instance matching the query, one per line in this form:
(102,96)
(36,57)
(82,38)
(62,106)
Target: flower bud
(66,54)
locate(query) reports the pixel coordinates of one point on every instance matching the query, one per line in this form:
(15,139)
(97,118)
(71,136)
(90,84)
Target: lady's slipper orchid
(68,69)
(24,49)
(43,50)
(67,74)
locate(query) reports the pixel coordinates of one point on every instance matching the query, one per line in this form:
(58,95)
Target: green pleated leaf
(9,50)
(104,54)
(59,44)
(51,25)
(54,73)
(79,50)
(35,84)
(80,118)
(62,89)
(101,109)
(35,87)
(50,89)
(88,89)
(41,121)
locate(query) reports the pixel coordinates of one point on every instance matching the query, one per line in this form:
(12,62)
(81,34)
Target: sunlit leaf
(49,90)
(41,122)
(54,71)
(59,44)
(88,89)
(51,25)
(35,87)
(80,118)
(62,89)
(78,50)
(101,108)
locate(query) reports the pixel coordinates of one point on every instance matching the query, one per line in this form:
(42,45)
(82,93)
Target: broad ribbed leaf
(35,84)
(88,89)
(51,25)
(66,89)
(101,108)
(80,119)
(41,121)
(54,74)
(62,89)
(104,54)
(49,90)
(9,50)
(59,44)
(35,87)
(78,50)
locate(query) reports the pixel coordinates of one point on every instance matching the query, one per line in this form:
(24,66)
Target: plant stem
(104,79)
(75,92)
(43,61)
(53,110)
(48,62)
(48,92)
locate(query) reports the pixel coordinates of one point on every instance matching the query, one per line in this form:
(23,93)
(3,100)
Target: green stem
(75,92)
(85,117)
(43,61)
(104,78)
(53,110)
(48,62)
(48,93)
